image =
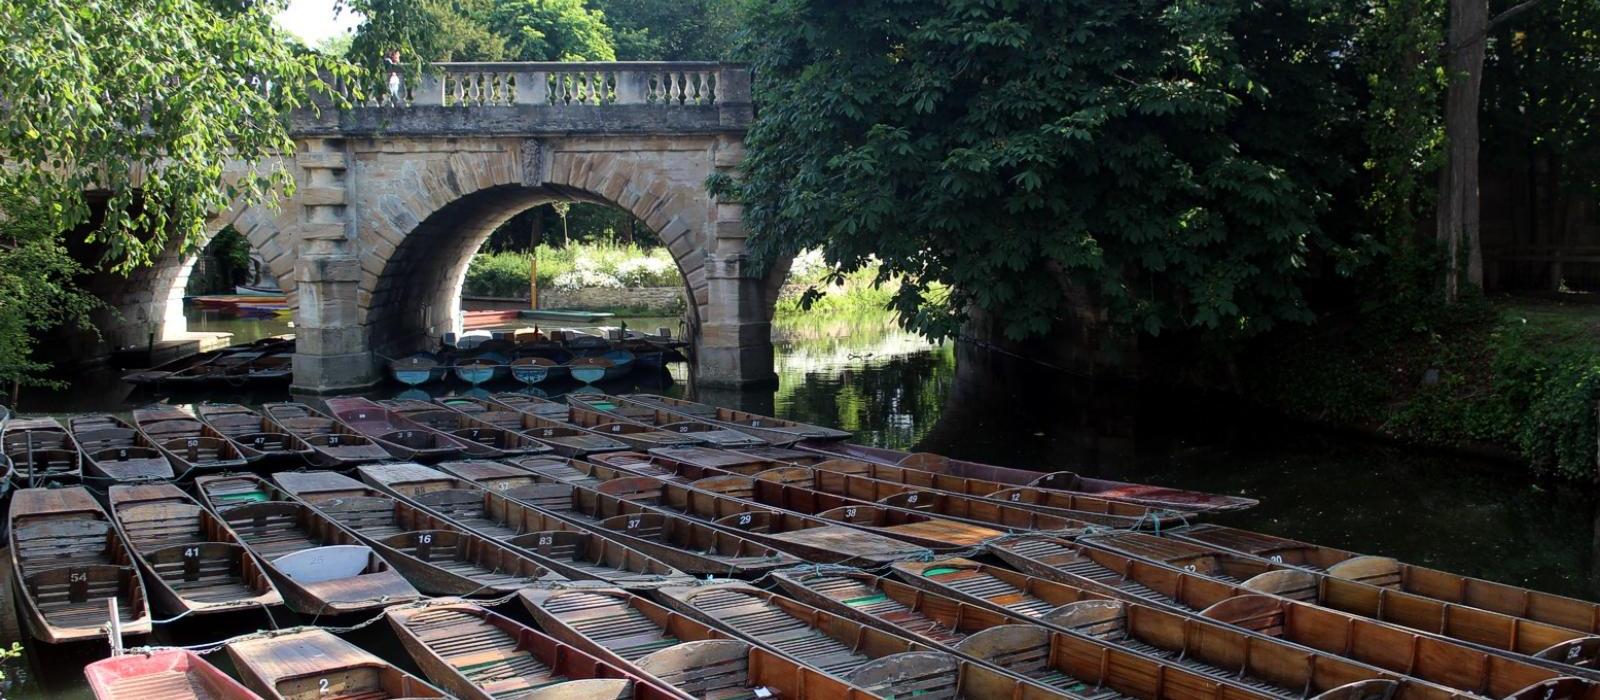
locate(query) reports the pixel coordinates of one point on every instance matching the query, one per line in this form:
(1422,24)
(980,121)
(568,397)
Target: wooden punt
(312,664)
(534,369)
(417,369)
(434,554)
(682,544)
(479,439)
(486,367)
(69,561)
(610,365)
(335,444)
(40,451)
(573,552)
(1516,601)
(1063,503)
(537,405)
(405,439)
(1265,665)
(908,525)
(190,444)
(719,436)
(1111,567)
(193,561)
(774,430)
(257,432)
(665,463)
(1179,500)
(318,566)
(566,440)
(475,654)
(220,492)
(635,435)
(167,674)
(114,450)
(999,637)
(878,661)
(674,649)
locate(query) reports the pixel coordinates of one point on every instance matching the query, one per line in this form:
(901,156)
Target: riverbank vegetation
(576,266)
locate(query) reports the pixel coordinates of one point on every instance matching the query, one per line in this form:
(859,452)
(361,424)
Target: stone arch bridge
(393,199)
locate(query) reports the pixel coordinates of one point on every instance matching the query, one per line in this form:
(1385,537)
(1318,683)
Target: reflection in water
(895,390)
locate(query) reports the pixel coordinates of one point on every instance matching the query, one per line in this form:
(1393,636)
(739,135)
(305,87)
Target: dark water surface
(1447,511)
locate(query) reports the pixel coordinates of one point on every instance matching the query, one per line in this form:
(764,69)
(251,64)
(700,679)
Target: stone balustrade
(593,84)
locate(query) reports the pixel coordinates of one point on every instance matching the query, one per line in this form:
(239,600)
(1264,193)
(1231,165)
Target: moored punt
(190,444)
(1055,502)
(1436,661)
(318,566)
(115,451)
(69,561)
(1176,499)
(635,435)
(566,440)
(566,549)
(478,438)
(195,563)
(335,444)
(403,438)
(676,650)
(901,524)
(1216,576)
(610,365)
(165,674)
(475,654)
(534,370)
(774,430)
(483,368)
(417,369)
(719,436)
(41,450)
(257,432)
(307,664)
(682,544)
(1515,601)
(661,464)
(880,662)
(544,408)
(433,553)
(220,492)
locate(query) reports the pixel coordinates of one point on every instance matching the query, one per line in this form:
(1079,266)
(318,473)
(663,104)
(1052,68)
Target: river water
(893,389)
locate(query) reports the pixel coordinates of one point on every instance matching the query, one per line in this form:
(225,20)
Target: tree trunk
(1457,219)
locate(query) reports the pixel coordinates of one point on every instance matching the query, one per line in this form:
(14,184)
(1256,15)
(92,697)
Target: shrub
(505,274)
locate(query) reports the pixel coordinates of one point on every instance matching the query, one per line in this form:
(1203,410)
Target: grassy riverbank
(1521,376)
(577,266)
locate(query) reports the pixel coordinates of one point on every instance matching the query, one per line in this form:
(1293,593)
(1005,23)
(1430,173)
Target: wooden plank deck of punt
(635,435)
(564,439)
(526,403)
(1369,638)
(219,492)
(1473,625)
(774,430)
(437,555)
(43,442)
(692,463)
(69,560)
(168,674)
(568,550)
(291,532)
(189,443)
(475,654)
(1571,613)
(195,562)
(683,544)
(405,439)
(1068,662)
(336,444)
(312,664)
(678,650)
(479,439)
(1264,665)
(115,450)
(1179,500)
(1064,503)
(708,433)
(879,661)
(251,429)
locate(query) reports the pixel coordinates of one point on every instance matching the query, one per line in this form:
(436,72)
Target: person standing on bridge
(392,59)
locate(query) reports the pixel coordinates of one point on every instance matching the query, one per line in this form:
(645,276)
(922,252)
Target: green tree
(37,292)
(552,30)
(673,30)
(1169,161)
